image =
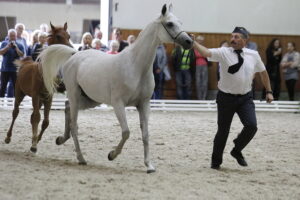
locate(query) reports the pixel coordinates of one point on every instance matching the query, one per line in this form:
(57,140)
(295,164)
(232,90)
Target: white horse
(121,80)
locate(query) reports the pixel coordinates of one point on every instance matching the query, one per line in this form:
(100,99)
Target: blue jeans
(184,84)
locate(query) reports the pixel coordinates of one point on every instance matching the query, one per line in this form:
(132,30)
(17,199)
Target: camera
(13,44)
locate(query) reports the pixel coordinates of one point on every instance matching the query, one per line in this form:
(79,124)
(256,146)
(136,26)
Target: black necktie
(234,68)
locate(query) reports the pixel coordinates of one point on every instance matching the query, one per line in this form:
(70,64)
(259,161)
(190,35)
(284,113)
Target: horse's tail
(52,59)
(18,63)
(23,62)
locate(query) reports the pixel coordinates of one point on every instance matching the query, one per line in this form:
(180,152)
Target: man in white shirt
(238,66)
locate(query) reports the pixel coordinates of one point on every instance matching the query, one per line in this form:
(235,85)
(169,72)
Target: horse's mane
(147,27)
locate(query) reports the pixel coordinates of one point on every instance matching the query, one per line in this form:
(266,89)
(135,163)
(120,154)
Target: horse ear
(170,7)
(164,10)
(52,27)
(65,26)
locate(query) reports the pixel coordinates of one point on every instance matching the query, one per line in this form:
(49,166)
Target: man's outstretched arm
(202,49)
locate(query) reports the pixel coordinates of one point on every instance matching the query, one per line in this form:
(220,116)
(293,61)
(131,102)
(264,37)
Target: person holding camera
(10,50)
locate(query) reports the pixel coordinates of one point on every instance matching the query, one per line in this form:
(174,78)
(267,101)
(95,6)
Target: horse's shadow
(35,160)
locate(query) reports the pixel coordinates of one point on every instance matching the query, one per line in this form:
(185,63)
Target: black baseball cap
(242,31)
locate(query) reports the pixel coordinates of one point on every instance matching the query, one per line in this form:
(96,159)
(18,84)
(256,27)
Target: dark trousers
(290,85)
(183,84)
(5,77)
(228,105)
(159,85)
(275,85)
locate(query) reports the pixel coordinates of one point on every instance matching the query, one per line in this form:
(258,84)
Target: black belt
(234,95)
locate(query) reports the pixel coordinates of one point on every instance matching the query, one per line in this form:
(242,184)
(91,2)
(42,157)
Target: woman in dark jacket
(274,55)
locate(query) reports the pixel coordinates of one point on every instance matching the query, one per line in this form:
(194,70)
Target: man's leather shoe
(239,157)
(215,166)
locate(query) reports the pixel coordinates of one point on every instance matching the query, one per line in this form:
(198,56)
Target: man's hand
(13,44)
(192,36)
(269,97)
(5,49)
(16,48)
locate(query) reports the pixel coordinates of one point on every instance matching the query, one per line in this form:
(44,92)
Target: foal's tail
(52,59)
(23,62)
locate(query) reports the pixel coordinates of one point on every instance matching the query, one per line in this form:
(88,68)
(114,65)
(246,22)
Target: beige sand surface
(181,144)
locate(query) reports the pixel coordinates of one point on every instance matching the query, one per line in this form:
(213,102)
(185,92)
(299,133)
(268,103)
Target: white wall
(33,14)
(215,16)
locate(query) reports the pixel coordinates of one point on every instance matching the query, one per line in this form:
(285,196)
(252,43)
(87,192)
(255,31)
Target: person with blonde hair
(114,46)
(42,39)
(86,41)
(34,41)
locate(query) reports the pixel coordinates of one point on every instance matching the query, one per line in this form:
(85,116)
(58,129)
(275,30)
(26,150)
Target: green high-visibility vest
(185,59)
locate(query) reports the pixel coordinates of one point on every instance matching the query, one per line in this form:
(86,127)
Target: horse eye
(170,24)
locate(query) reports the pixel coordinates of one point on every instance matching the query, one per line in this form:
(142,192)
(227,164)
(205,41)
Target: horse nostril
(188,41)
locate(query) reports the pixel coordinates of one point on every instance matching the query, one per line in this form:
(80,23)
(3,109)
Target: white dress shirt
(241,81)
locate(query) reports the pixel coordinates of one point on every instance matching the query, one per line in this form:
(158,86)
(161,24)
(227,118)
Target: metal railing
(167,105)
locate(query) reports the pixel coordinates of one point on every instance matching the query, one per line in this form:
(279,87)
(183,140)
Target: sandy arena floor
(181,144)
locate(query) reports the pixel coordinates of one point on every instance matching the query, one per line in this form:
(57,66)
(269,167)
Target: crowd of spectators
(20,43)
(189,66)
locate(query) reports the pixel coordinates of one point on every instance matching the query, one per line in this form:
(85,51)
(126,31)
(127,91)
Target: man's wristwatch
(269,92)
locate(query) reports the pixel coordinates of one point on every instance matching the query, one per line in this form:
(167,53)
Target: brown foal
(30,82)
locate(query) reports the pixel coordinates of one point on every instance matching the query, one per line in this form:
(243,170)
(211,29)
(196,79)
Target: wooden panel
(6,23)
(213,40)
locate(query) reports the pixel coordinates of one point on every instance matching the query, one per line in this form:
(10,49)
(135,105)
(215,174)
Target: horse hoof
(82,163)
(33,149)
(58,141)
(7,140)
(149,171)
(110,156)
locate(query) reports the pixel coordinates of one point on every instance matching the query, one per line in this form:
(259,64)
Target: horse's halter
(174,38)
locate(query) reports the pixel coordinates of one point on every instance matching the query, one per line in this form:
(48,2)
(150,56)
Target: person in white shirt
(238,66)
